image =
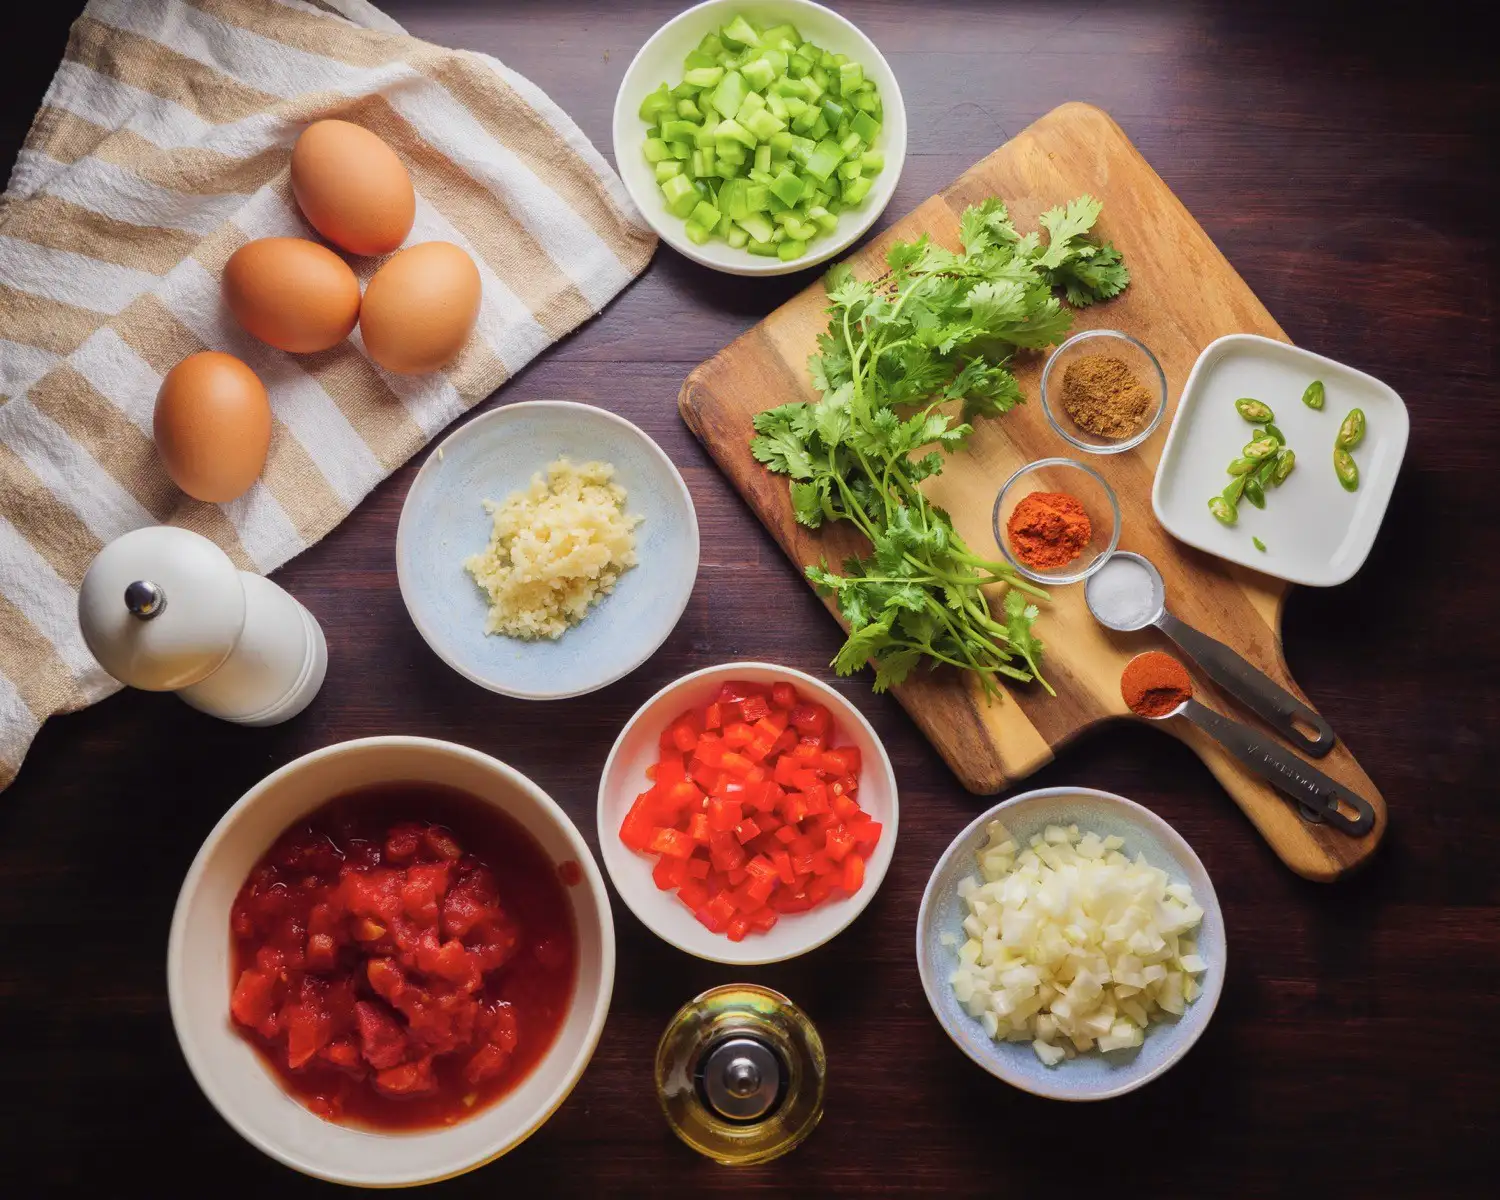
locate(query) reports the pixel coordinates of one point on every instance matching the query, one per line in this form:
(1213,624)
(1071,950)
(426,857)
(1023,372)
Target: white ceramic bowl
(660,60)
(624,779)
(444,521)
(1315,533)
(199,969)
(1092,1076)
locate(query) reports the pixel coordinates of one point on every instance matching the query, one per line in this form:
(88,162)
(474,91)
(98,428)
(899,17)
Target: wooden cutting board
(1184,295)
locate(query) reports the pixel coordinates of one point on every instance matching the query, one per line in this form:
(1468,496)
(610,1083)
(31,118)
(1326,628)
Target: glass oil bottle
(740,1074)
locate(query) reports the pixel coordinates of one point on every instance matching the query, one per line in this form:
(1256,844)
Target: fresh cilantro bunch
(940,327)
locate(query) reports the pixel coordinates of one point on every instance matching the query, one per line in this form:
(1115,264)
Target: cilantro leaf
(861,647)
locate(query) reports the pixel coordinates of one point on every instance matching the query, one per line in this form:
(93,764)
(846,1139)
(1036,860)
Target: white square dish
(1315,533)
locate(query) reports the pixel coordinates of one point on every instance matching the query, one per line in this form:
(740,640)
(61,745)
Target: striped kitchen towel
(162,146)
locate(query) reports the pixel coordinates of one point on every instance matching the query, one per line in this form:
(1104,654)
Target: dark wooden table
(1340,162)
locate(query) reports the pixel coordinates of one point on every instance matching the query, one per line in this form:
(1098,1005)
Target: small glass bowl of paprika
(1056,521)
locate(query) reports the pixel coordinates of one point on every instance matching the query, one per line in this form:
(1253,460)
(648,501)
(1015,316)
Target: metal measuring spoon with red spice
(1156,686)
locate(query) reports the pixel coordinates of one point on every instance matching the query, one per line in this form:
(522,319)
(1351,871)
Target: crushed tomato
(752,810)
(404,957)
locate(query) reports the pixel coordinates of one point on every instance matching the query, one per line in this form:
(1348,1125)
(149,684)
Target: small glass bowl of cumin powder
(1103,391)
(1056,521)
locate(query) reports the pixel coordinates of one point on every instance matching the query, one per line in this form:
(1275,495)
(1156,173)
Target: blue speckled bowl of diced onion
(941,933)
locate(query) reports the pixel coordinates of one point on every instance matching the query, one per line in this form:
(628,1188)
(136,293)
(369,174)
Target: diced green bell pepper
(657,150)
(764,124)
(666,169)
(759,73)
(825,157)
(763,158)
(729,95)
(873,161)
(790,249)
(855,190)
(733,131)
(680,195)
(655,104)
(758,226)
(787,187)
(677,130)
(737,237)
(705,214)
(739,32)
(749,106)
(865,125)
(696,233)
(766,249)
(851,77)
(851,144)
(704,77)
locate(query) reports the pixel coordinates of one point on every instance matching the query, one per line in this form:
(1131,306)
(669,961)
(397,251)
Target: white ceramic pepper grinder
(165,610)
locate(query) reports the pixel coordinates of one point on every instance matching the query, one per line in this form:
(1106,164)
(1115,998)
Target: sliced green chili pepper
(1254,411)
(1352,431)
(1254,492)
(1272,431)
(1224,512)
(1242,466)
(1313,397)
(1265,470)
(1260,448)
(1258,544)
(1285,461)
(1235,490)
(1346,469)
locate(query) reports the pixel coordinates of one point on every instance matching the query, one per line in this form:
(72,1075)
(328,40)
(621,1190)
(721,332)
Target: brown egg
(352,188)
(212,426)
(420,308)
(292,293)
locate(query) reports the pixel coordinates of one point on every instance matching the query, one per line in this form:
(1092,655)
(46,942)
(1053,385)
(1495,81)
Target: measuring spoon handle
(1256,690)
(1319,797)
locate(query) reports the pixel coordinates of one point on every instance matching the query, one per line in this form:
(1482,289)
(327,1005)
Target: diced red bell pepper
(866,835)
(821,888)
(672,842)
(737,928)
(724,852)
(736,690)
(854,873)
(736,876)
(710,750)
(737,735)
(698,828)
(845,807)
(721,906)
(848,756)
(694,894)
(838,843)
(785,742)
(812,719)
(762,919)
(737,765)
(723,816)
(697,868)
(712,923)
(783,864)
(807,752)
(753,708)
(783,695)
(713,716)
(746,831)
(816,800)
(640,823)
(669,873)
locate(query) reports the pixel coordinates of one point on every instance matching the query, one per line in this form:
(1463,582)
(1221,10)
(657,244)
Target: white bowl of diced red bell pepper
(747,813)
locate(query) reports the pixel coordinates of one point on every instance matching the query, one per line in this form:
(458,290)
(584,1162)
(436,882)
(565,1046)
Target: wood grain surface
(1343,161)
(1184,294)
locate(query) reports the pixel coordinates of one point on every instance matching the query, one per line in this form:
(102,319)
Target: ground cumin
(1154,684)
(1048,529)
(1103,396)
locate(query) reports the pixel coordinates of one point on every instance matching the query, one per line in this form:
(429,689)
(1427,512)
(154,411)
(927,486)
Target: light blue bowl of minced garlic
(445,522)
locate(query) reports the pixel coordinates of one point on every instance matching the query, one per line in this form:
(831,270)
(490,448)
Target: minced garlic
(557,547)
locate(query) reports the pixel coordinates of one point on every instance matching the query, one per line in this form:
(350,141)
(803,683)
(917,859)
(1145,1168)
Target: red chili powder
(1048,529)
(1154,684)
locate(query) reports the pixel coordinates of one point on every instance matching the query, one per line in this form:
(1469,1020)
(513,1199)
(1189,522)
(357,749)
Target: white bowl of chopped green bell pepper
(759,138)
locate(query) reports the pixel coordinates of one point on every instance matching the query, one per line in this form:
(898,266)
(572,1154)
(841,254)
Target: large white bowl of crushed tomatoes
(390,961)
(747,813)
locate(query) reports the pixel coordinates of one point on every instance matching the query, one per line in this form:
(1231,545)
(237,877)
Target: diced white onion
(1072,945)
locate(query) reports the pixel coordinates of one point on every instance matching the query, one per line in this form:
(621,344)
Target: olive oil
(740,1074)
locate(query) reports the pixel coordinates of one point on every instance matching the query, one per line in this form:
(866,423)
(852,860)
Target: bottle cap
(741,1078)
(161,608)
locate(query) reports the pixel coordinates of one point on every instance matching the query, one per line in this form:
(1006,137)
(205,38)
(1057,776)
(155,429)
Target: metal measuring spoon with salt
(1319,798)
(1127,593)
